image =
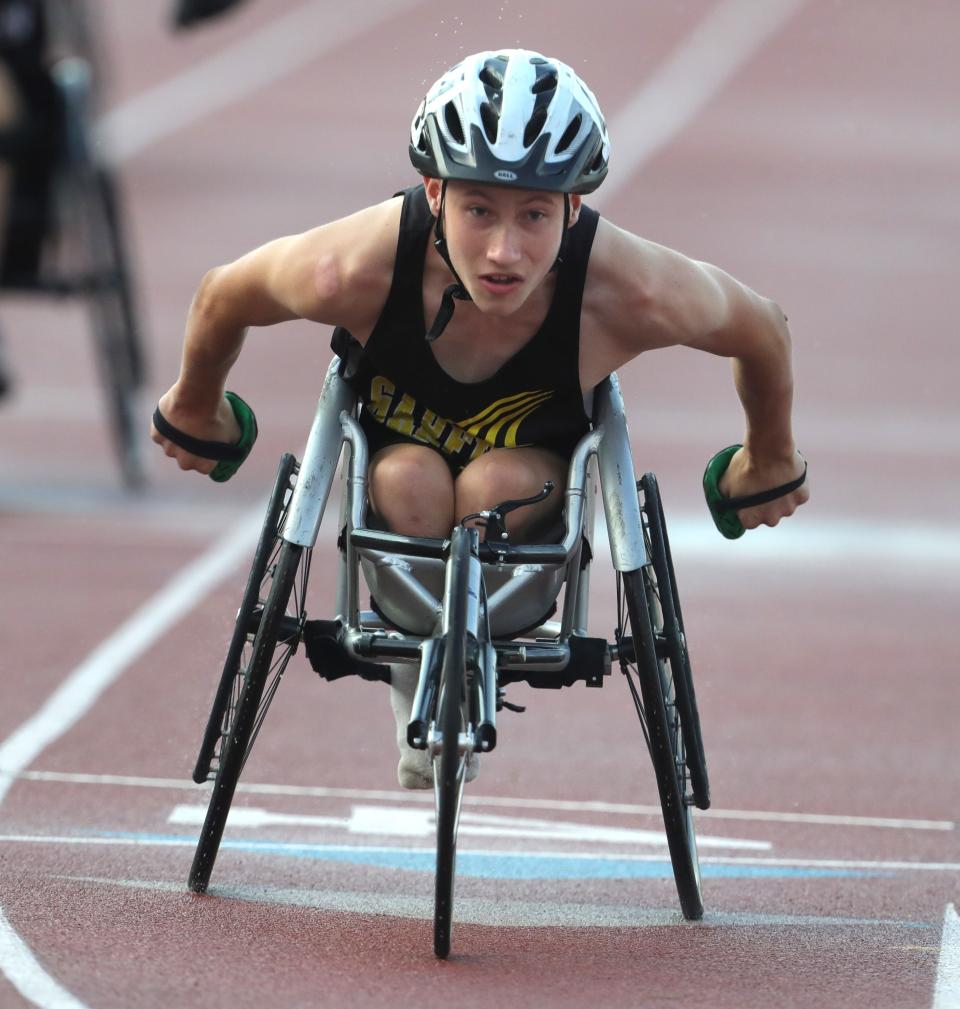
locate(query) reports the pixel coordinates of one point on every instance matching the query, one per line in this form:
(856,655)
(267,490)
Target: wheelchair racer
(489,301)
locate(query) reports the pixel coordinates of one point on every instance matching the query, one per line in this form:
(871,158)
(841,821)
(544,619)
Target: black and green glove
(724,509)
(229,456)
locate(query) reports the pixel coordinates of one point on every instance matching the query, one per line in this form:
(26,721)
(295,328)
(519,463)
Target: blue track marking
(511,865)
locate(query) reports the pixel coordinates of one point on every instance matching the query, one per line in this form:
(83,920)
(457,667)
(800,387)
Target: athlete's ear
(575,202)
(433,188)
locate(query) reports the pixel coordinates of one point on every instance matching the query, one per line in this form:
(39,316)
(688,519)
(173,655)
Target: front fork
(481,661)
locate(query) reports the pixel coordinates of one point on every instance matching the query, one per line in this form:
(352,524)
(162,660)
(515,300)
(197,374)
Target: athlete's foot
(415,770)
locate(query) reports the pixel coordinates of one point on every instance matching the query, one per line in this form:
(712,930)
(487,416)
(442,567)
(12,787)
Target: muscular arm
(753,332)
(337,274)
(672,300)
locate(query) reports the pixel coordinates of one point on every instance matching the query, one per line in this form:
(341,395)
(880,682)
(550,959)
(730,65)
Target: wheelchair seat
(395,599)
(406,592)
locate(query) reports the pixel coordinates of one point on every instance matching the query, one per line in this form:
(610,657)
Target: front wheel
(449,765)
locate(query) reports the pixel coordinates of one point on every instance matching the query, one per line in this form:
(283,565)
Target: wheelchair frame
(461,610)
(84,253)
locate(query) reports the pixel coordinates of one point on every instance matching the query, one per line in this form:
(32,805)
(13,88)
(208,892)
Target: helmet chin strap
(457,290)
(454,290)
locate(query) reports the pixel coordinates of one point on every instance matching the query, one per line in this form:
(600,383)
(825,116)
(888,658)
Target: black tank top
(534,398)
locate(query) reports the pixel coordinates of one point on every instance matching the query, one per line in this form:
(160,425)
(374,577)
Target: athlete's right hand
(218,425)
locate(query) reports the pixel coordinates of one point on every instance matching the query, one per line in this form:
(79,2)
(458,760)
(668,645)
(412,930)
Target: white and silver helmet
(512,117)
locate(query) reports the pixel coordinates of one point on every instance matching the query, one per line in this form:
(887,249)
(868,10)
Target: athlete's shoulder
(353,260)
(639,296)
(370,233)
(625,273)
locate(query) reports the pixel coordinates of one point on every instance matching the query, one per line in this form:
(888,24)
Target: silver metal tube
(345,605)
(353,510)
(618,480)
(574,497)
(533,656)
(320,458)
(582,606)
(357,470)
(473,596)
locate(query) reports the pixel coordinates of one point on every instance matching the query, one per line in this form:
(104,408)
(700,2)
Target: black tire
(673,637)
(639,625)
(278,628)
(94,263)
(230,686)
(115,325)
(449,766)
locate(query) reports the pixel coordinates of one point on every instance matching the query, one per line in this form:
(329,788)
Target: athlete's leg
(411,489)
(504,474)
(499,475)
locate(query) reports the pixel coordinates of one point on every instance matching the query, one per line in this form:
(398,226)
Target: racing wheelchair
(472,615)
(64,236)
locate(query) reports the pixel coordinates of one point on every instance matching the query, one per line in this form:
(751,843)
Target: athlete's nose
(504,248)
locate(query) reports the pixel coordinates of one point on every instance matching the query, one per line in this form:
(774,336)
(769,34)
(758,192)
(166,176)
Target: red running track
(818,162)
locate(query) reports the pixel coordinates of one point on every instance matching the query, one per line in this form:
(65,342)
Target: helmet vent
(492,78)
(548,82)
(491,121)
(570,133)
(534,126)
(452,119)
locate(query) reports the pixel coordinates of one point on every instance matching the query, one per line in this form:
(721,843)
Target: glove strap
(723,509)
(229,456)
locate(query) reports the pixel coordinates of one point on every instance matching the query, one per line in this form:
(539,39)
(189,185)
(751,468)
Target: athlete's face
(502,241)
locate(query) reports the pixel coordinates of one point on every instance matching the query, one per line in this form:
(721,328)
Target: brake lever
(495,528)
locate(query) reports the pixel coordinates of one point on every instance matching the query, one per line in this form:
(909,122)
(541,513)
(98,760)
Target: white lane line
(518,802)
(402,821)
(946,992)
(858,547)
(103,666)
(695,72)
(247,67)
(26,975)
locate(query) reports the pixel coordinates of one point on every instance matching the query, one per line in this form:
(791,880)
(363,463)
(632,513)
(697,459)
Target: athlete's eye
(476,211)
(536,215)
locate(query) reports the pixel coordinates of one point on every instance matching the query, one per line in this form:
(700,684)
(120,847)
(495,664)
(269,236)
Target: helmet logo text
(504,175)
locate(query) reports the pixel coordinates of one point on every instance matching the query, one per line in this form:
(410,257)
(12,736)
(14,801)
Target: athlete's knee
(511,474)
(501,474)
(412,490)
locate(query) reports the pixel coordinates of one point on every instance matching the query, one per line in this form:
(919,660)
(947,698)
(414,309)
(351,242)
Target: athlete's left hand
(746,475)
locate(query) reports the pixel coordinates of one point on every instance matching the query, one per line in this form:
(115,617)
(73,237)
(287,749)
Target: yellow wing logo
(507,413)
(495,426)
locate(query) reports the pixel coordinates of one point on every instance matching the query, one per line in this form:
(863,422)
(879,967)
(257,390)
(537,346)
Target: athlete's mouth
(501,278)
